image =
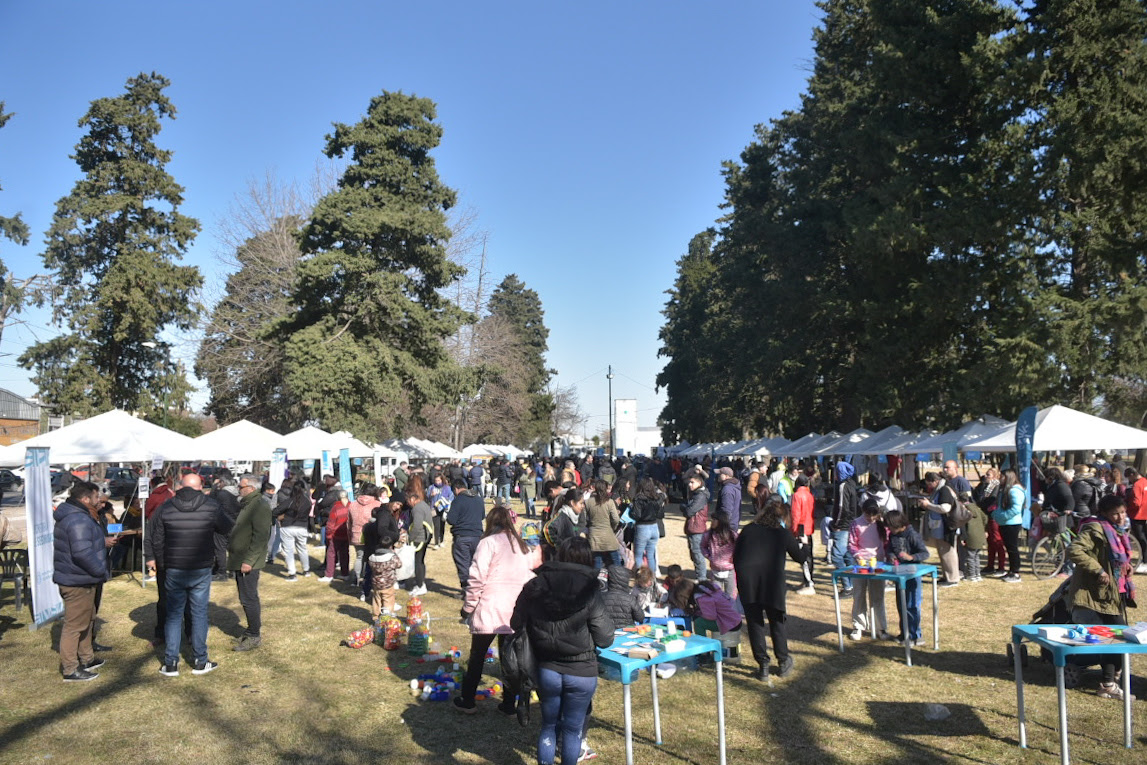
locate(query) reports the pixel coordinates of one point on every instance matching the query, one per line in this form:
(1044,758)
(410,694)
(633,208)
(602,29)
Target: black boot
(763,671)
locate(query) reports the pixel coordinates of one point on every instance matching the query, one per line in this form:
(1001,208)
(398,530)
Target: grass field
(303,698)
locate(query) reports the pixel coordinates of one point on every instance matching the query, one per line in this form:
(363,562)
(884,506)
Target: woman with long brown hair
(502,565)
(421,529)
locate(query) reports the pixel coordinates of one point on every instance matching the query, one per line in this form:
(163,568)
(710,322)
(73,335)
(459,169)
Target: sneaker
(248,643)
(101,648)
(949,583)
(586,753)
(465,708)
(324,579)
(419,590)
(362,598)
(998,573)
(1106,691)
(93,664)
(846,592)
(763,673)
(202,668)
(291,578)
(856,635)
(1141,568)
(508,707)
(973,579)
(169,670)
(81,675)
(307,573)
(882,635)
(1012,578)
(786,667)
(807,590)
(918,643)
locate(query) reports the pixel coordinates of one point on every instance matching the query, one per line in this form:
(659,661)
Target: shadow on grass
(443,733)
(355,611)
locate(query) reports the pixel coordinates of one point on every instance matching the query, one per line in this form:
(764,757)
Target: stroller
(1057,610)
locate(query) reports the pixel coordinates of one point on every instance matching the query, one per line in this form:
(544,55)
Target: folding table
(1059,653)
(628,668)
(900,574)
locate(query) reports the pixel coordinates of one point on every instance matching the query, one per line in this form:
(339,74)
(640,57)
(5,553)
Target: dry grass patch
(302,698)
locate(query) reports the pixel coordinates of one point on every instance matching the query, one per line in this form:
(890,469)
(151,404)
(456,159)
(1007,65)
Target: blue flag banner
(328,468)
(345,474)
(1025,432)
(46,600)
(278,467)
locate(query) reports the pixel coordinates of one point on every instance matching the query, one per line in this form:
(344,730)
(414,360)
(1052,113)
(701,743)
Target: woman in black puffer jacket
(564,615)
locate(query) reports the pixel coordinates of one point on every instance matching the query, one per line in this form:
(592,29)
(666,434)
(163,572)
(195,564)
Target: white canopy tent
(845,444)
(901,443)
(892,432)
(796,448)
(962,437)
(242,440)
(732,448)
(809,448)
(1058,428)
(113,436)
(309,443)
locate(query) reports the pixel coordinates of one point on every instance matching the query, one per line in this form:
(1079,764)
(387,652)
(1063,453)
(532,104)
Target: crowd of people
(569,553)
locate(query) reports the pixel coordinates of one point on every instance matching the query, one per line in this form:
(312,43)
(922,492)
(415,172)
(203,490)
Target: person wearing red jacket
(338,539)
(160,493)
(803,504)
(1136,498)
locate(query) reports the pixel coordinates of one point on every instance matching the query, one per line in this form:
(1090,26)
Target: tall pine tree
(521,309)
(364,349)
(113,246)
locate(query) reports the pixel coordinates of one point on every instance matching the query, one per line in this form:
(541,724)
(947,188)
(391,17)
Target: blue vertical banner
(278,467)
(328,468)
(345,475)
(46,601)
(1025,433)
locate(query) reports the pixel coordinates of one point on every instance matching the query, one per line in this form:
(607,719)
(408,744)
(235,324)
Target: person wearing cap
(465,517)
(844,512)
(729,496)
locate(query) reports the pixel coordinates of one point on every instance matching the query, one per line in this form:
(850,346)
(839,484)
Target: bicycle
(1049,556)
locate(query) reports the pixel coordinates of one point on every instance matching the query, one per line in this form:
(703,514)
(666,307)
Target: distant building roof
(13,407)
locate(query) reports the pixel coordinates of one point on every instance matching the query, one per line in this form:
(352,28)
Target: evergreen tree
(364,349)
(113,245)
(521,309)
(12,227)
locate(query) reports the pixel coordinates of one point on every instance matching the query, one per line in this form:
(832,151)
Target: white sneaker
(856,635)
(809,590)
(1141,568)
(324,579)
(419,590)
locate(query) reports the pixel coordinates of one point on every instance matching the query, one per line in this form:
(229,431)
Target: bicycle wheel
(1048,557)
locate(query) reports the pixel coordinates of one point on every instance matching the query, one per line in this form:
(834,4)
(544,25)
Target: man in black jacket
(79,570)
(226,494)
(182,544)
(844,512)
(466,517)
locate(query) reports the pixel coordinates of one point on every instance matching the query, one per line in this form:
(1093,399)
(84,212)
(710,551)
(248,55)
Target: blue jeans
(565,699)
(504,492)
(601,556)
(841,557)
(645,539)
(185,585)
(700,564)
(912,598)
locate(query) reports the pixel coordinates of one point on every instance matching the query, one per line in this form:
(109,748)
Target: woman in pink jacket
(502,565)
(361,513)
(866,540)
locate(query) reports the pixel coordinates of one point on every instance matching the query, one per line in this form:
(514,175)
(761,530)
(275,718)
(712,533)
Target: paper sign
(157,463)
(143,487)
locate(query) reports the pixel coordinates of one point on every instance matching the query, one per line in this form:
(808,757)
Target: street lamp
(153,345)
(609,377)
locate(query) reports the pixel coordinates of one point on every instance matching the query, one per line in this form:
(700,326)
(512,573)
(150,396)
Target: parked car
(62,480)
(10,481)
(121,482)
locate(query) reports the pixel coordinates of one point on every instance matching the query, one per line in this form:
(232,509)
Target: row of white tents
(116,436)
(1058,428)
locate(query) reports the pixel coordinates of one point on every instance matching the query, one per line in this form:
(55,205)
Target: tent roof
(113,436)
(846,444)
(971,430)
(1058,428)
(242,440)
(794,448)
(900,443)
(810,446)
(308,443)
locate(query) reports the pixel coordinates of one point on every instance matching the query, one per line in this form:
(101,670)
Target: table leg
(628,727)
(907,631)
(1061,691)
(1019,669)
(935,615)
(721,710)
(1127,700)
(656,704)
(872,614)
(839,627)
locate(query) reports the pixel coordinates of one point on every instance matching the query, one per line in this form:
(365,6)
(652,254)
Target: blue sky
(587,136)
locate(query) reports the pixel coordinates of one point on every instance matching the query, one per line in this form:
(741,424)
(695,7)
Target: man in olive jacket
(247,555)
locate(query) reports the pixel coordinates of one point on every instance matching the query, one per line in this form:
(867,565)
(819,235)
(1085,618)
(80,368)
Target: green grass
(303,698)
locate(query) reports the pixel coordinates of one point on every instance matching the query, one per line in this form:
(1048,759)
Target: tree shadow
(495,737)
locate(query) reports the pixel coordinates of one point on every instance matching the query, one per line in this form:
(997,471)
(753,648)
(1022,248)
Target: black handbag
(520,669)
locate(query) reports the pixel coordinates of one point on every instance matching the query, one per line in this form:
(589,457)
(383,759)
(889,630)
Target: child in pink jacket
(866,540)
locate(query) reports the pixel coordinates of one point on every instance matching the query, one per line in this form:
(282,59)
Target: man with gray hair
(247,555)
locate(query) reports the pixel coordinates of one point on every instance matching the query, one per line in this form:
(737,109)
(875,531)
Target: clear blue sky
(588,136)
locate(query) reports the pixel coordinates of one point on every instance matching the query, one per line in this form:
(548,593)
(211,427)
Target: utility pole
(609,377)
